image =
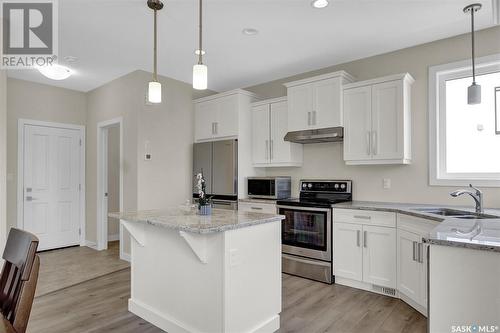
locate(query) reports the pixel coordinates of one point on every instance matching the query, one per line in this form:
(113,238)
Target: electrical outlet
(387,183)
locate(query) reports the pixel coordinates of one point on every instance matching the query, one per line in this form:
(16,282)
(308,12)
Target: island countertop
(180,219)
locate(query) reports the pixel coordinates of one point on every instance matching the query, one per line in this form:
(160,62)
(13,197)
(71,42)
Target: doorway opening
(109,184)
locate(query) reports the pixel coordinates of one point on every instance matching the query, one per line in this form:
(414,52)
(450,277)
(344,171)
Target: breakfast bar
(217,273)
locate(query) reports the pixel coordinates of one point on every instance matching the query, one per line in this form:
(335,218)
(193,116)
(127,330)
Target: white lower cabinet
(374,249)
(365,252)
(379,256)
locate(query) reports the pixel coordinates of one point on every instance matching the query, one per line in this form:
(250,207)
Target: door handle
(363,217)
(420,252)
(30,198)
(213,128)
(313,118)
(256,208)
(374,142)
(272,149)
(309,118)
(216,128)
(368,143)
(364,239)
(358,238)
(414,251)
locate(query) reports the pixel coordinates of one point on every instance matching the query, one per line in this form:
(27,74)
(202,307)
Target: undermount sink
(459,214)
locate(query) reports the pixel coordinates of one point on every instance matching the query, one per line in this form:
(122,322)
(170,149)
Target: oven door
(307,232)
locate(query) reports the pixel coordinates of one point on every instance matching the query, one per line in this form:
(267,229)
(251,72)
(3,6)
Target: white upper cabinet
(377,121)
(316,102)
(269,127)
(218,116)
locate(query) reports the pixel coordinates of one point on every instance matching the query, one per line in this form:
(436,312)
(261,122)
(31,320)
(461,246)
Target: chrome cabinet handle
(267,149)
(30,198)
(364,217)
(216,128)
(368,143)
(309,118)
(272,149)
(374,142)
(313,118)
(358,238)
(420,254)
(365,239)
(414,251)
(256,208)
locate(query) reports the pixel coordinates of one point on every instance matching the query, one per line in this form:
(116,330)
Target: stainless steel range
(307,228)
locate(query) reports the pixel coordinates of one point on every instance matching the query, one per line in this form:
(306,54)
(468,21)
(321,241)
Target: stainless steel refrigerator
(218,161)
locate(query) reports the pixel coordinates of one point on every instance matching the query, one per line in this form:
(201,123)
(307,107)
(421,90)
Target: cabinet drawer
(258,207)
(367,217)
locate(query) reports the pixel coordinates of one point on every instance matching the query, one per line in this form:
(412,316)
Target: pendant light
(200,71)
(154,87)
(474,90)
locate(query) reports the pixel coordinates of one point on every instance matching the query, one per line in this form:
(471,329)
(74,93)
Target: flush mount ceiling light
(55,72)
(474,90)
(154,87)
(319,3)
(249,32)
(200,70)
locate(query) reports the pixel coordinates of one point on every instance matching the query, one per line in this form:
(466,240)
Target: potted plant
(204,201)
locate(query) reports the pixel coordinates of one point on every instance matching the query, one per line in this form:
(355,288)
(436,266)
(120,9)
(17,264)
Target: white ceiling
(114,37)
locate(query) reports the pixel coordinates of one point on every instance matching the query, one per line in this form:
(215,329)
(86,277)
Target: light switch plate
(387,183)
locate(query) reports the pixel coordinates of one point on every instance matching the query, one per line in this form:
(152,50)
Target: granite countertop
(480,234)
(186,220)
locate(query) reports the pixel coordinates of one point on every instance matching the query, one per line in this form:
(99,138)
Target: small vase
(205,210)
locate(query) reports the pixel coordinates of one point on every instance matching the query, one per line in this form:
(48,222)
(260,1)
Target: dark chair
(19,277)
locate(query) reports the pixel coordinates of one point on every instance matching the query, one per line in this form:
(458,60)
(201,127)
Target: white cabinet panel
(387,120)
(217,118)
(357,123)
(327,103)
(379,256)
(348,253)
(269,127)
(227,117)
(300,107)
(260,134)
(377,121)
(205,119)
(409,270)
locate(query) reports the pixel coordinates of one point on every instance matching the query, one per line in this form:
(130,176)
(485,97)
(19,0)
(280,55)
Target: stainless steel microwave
(269,187)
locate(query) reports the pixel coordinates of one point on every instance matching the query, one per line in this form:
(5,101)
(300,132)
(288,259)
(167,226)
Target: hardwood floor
(100,305)
(70,266)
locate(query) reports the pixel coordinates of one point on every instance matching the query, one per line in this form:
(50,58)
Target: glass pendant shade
(200,77)
(154,92)
(474,94)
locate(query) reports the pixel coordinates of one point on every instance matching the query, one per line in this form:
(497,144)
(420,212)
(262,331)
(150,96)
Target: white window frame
(438,75)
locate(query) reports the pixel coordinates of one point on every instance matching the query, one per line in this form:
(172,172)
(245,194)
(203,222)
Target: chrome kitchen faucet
(475,193)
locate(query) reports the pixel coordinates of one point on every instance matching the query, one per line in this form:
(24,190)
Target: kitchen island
(218,273)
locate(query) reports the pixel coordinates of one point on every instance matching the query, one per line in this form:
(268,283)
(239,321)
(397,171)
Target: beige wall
(3,158)
(409,183)
(113,178)
(28,100)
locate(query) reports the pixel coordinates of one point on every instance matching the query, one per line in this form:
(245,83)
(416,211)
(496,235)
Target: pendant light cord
(473,48)
(155,74)
(200,50)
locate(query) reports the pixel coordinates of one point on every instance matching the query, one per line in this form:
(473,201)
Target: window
(464,139)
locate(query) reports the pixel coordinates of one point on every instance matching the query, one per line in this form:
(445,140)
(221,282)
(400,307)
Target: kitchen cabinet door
(424,249)
(379,256)
(348,253)
(409,269)
(260,134)
(387,121)
(227,117)
(300,107)
(280,149)
(205,120)
(357,123)
(327,103)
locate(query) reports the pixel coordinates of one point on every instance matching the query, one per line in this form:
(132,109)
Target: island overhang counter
(218,273)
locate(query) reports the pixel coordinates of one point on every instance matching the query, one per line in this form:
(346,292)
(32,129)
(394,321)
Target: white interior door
(51,185)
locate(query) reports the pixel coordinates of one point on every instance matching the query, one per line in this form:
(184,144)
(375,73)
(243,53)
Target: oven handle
(309,209)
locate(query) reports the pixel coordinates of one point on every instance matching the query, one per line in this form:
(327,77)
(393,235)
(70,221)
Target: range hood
(330,134)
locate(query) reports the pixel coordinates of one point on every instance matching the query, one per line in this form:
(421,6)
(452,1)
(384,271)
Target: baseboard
(125,256)
(160,320)
(270,326)
(92,245)
(112,238)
